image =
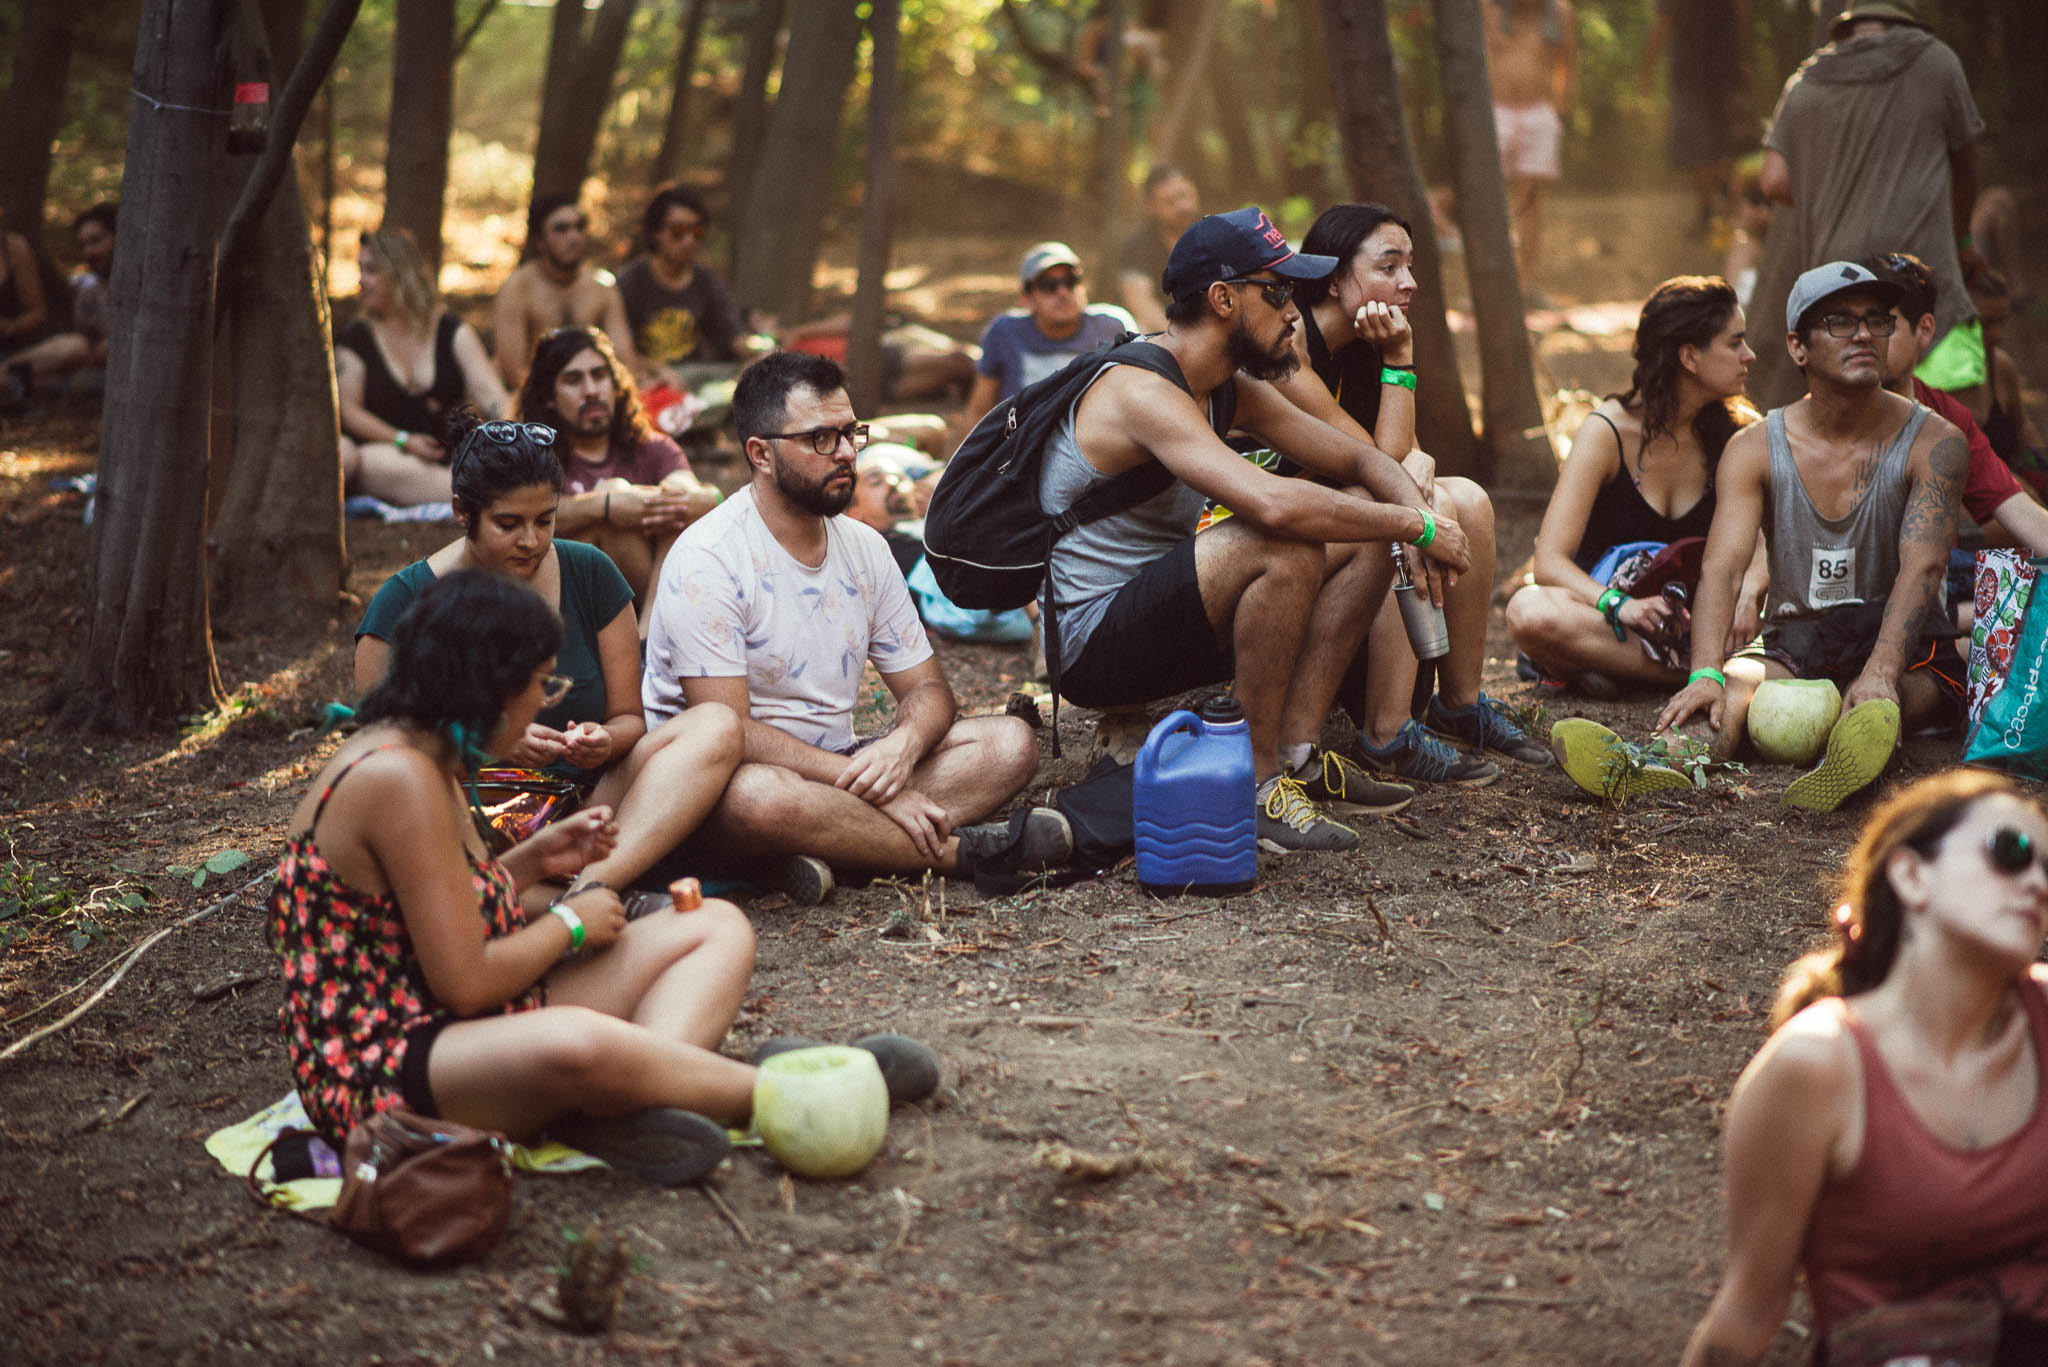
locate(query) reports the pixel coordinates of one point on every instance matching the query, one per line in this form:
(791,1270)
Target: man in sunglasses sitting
(1855,490)
(773,604)
(1056,324)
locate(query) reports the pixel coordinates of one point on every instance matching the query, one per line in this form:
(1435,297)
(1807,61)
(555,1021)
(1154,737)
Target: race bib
(1833,580)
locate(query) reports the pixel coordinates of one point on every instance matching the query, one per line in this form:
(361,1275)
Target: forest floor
(1451,1097)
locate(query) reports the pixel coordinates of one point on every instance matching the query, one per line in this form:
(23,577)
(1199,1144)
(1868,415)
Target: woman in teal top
(507,481)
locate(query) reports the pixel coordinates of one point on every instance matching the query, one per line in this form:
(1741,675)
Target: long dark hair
(551,356)
(1686,310)
(1868,922)
(461,652)
(1340,231)
(483,470)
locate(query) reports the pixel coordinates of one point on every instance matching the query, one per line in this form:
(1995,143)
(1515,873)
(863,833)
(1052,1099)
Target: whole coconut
(822,1111)
(1789,719)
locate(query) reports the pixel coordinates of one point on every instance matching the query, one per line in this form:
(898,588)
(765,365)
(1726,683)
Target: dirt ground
(1452,1097)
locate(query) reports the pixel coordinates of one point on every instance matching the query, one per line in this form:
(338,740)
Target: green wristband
(571,920)
(1395,375)
(1610,608)
(1716,675)
(401,438)
(1428,529)
(1965,242)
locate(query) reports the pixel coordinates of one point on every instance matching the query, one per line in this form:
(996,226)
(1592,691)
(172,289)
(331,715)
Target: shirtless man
(555,286)
(1532,53)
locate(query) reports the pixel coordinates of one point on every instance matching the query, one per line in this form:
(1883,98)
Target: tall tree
(422,116)
(1109,135)
(1518,452)
(33,110)
(777,238)
(1381,164)
(877,210)
(750,115)
(1189,75)
(576,91)
(675,131)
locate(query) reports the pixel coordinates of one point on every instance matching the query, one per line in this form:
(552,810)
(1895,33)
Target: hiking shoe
(1288,821)
(1485,725)
(663,1144)
(1330,780)
(1592,757)
(1033,840)
(803,878)
(909,1068)
(1859,747)
(1417,753)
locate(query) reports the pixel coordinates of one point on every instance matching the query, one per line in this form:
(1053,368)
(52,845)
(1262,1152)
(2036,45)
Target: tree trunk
(792,192)
(750,115)
(33,110)
(422,115)
(1381,165)
(1110,159)
(674,153)
(1518,452)
(149,654)
(877,213)
(1188,78)
(576,93)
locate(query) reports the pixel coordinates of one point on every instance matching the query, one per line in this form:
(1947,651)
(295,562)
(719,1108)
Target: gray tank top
(1093,561)
(1818,563)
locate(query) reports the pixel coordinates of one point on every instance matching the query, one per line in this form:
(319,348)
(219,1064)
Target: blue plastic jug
(1194,817)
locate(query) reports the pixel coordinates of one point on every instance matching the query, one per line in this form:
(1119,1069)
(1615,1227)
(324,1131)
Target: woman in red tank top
(1891,1137)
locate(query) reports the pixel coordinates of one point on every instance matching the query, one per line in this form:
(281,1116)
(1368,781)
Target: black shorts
(413,1084)
(1837,644)
(1154,640)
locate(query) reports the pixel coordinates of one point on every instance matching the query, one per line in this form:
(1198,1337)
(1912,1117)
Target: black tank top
(1620,514)
(1352,375)
(390,400)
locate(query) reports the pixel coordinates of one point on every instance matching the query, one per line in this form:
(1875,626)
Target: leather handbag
(1942,1333)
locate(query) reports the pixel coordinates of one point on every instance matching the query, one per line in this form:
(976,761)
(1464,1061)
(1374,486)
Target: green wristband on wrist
(1610,608)
(401,438)
(1428,529)
(1965,242)
(1404,376)
(571,920)
(1716,675)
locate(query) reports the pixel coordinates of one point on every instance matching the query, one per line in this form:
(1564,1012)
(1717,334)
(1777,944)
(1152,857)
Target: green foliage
(249,702)
(1688,756)
(224,862)
(34,897)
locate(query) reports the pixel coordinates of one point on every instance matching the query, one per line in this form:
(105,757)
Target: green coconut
(1789,719)
(823,1111)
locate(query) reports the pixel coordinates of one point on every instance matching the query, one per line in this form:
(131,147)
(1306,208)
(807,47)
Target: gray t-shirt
(1817,562)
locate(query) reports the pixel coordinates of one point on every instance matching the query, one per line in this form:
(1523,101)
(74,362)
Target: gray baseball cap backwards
(1823,283)
(1230,246)
(1897,11)
(1042,258)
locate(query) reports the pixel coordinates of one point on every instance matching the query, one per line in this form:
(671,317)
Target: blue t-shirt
(1016,353)
(593,593)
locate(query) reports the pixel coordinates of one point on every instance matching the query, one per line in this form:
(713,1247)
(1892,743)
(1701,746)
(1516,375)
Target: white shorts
(1529,135)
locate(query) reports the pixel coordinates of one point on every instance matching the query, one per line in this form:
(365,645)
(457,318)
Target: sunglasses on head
(502,433)
(1053,284)
(2011,851)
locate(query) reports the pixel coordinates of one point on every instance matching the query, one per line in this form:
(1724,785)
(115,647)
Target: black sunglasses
(825,440)
(1053,284)
(1277,293)
(2011,850)
(502,433)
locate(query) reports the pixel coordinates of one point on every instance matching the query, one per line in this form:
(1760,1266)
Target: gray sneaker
(1330,780)
(1417,753)
(1033,840)
(662,1145)
(804,878)
(1288,821)
(1486,725)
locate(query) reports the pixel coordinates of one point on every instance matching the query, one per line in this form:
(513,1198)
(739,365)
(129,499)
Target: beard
(1245,354)
(591,420)
(816,497)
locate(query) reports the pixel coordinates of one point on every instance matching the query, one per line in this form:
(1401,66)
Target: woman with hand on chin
(1891,1136)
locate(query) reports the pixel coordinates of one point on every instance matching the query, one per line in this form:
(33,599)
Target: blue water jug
(1193,812)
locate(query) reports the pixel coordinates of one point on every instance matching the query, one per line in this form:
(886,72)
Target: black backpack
(988,541)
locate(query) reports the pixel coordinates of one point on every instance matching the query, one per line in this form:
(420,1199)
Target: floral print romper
(355,996)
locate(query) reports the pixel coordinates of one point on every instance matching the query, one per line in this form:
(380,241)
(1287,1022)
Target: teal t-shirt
(593,593)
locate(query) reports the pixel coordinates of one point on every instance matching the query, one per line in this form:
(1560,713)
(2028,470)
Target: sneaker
(663,1144)
(1033,840)
(1418,753)
(1859,747)
(1288,821)
(1485,725)
(1330,780)
(1592,757)
(803,878)
(909,1067)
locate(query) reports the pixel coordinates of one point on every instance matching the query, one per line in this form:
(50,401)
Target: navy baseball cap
(1823,283)
(1233,245)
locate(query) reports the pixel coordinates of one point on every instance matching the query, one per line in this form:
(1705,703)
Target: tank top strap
(1621,451)
(346,769)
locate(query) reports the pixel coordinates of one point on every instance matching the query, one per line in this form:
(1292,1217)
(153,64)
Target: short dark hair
(538,213)
(1162,173)
(551,356)
(666,198)
(760,400)
(1187,308)
(102,213)
(1916,283)
(461,652)
(1340,231)
(482,471)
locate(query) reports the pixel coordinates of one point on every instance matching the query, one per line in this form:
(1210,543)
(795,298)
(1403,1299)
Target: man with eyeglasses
(1855,490)
(1274,599)
(554,285)
(1056,324)
(773,604)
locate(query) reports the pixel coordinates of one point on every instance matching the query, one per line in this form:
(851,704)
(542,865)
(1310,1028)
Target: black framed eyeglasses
(1842,326)
(554,688)
(1277,293)
(2011,850)
(825,440)
(1053,284)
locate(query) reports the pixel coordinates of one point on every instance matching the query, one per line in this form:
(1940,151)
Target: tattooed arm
(1937,468)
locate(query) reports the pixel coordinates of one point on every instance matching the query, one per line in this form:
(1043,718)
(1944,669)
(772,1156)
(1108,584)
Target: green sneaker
(1859,747)
(1332,781)
(1288,821)
(1592,757)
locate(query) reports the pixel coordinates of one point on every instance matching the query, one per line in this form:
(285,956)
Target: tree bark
(877,212)
(750,116)
(792,190)
(669,161)
(1188,77)
(1381,165)
(1110,155)
(576,92)
(422,115)
(1519,454)
(149,654)
(33,111)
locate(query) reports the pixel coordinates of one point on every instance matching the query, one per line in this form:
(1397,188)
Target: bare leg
(1744,674)
(1390,668)
(54,356)
(1469,602)
(1567,636)
(1528,230)
(633,553)
(383,471)
(680,975)
(665,787)
(1259,591)
(1353,592)
(1919,700)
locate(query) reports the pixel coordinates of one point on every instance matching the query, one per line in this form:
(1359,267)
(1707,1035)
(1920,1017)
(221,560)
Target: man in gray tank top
(1855,490)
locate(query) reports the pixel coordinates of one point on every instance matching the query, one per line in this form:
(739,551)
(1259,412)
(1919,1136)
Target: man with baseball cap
(1056,324)
(1276,599)
(1855,490)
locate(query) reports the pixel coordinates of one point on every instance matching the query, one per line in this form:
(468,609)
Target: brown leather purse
(429,1191)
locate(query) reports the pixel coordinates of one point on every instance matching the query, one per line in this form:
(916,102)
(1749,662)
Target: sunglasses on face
(1843,325)
(553,688)
(1277,293)
(2011,851)
(1053,284)
(825,440)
